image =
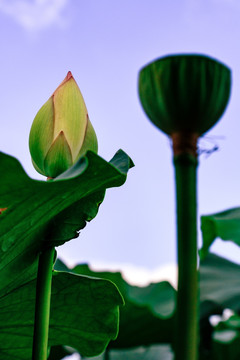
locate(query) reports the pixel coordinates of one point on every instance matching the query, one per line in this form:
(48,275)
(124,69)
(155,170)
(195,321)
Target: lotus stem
(185,163)
(42,305)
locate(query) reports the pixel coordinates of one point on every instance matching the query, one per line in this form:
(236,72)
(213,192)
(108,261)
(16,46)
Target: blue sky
(105,43)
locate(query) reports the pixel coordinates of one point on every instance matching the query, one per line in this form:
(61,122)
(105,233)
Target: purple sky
(105,43)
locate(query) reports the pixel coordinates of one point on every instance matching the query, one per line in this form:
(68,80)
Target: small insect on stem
(205,148)
(208,152)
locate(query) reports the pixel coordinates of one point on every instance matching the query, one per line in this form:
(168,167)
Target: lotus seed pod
(61,131)
(184,93)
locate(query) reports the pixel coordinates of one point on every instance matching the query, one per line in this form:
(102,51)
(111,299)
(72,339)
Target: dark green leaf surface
(224,225)
(84,315)
(219,284)
(41,214)
(219,289)
(226,339)
(226,345)
(147,317)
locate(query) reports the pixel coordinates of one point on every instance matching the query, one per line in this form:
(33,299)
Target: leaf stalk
(42,306)
(186,341)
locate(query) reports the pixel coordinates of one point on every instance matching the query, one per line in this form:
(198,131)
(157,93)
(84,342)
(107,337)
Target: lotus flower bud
(184,93)
(61,131)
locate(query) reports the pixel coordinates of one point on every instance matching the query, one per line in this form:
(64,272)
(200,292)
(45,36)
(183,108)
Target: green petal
(41,135)
(70,114)
(37,168)
(90,141)
(59,157)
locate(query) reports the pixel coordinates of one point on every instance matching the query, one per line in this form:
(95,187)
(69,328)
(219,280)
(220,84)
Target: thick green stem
(42,307)
(186,345)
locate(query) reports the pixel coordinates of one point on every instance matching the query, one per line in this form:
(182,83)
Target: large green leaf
(219,284)
(84,315)
(224,225)
(40,214)
(147,317)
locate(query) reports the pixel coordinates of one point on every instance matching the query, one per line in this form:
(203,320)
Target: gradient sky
(105,43)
